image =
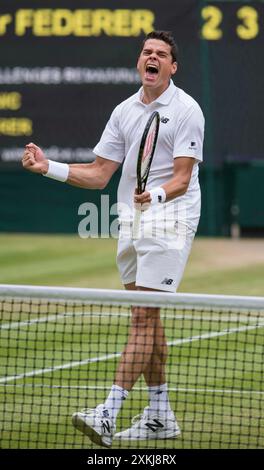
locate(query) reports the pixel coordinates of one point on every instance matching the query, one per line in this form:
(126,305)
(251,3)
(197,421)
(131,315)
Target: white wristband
(158,195)
(58,171)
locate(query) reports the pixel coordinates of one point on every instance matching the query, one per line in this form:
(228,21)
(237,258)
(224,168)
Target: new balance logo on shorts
(167,281)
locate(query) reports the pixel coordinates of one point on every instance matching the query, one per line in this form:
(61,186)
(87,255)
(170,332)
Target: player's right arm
(95,175)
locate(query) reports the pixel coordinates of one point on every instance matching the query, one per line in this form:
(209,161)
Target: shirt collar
(164,98)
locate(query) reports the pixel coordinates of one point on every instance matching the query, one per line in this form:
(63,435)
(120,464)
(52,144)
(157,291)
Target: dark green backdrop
(69,84)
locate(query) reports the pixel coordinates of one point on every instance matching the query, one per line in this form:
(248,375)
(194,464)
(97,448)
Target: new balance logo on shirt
(164,120)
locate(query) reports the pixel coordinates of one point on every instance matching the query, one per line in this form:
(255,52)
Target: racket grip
(136,224)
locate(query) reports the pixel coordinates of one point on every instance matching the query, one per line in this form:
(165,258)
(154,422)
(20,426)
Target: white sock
(158,399)
(115,401)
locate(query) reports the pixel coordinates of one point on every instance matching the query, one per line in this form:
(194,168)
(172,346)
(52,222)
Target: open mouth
(152,69)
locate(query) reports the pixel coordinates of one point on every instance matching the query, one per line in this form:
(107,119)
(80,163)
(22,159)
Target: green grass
(216,384)
(72,261)
(58,260)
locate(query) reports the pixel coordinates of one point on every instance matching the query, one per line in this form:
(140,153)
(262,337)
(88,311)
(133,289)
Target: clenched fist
(34,159)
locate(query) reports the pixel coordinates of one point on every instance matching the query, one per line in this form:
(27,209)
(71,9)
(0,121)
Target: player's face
(155,64)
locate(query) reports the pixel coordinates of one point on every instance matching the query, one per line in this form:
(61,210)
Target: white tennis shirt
(181,134)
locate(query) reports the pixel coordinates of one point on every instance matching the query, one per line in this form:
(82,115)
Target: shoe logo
(154,425)
(164,120)
(105,413)
(167,281)
(106,427)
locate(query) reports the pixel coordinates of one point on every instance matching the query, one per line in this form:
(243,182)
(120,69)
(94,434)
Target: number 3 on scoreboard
(213,17)
(250,28)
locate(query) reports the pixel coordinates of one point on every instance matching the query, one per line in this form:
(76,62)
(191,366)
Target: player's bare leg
(146,349)
(146,353)
(154,372)
(139,349)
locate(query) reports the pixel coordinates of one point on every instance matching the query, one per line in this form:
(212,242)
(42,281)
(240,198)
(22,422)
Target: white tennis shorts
(154,263)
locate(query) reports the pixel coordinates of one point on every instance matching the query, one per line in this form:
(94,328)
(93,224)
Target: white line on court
(53,318)
(106,357)
(170,389)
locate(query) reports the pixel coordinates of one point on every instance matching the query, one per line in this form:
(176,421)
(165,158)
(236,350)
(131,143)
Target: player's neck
(151,94)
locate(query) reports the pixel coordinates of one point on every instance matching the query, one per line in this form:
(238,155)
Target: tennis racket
(145,157)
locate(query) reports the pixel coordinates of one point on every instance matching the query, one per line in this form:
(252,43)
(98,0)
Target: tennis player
(145,263)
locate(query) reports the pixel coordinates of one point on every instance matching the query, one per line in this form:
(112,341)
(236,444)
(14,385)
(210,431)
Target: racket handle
(136,223)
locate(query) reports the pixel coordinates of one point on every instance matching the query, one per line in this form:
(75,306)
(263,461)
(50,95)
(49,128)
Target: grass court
(61,358)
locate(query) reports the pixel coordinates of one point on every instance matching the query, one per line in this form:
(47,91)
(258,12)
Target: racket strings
(149,144)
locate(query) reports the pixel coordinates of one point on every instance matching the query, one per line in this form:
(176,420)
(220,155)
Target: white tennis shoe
(151,426)
(96,424)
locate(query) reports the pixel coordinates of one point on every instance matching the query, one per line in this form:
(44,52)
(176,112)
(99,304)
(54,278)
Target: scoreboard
(66,64)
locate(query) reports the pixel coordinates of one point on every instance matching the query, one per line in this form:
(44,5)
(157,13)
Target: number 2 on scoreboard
(213,17)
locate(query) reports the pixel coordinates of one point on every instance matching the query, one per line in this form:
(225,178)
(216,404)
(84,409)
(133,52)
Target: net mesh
(58,357)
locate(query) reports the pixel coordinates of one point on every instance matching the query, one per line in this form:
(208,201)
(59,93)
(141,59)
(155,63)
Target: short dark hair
(167,37)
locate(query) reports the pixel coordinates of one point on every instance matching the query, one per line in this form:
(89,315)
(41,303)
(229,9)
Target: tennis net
(60,348)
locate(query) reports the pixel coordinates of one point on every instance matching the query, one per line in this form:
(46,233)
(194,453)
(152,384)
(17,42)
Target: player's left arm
(188,144)
(177,185)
